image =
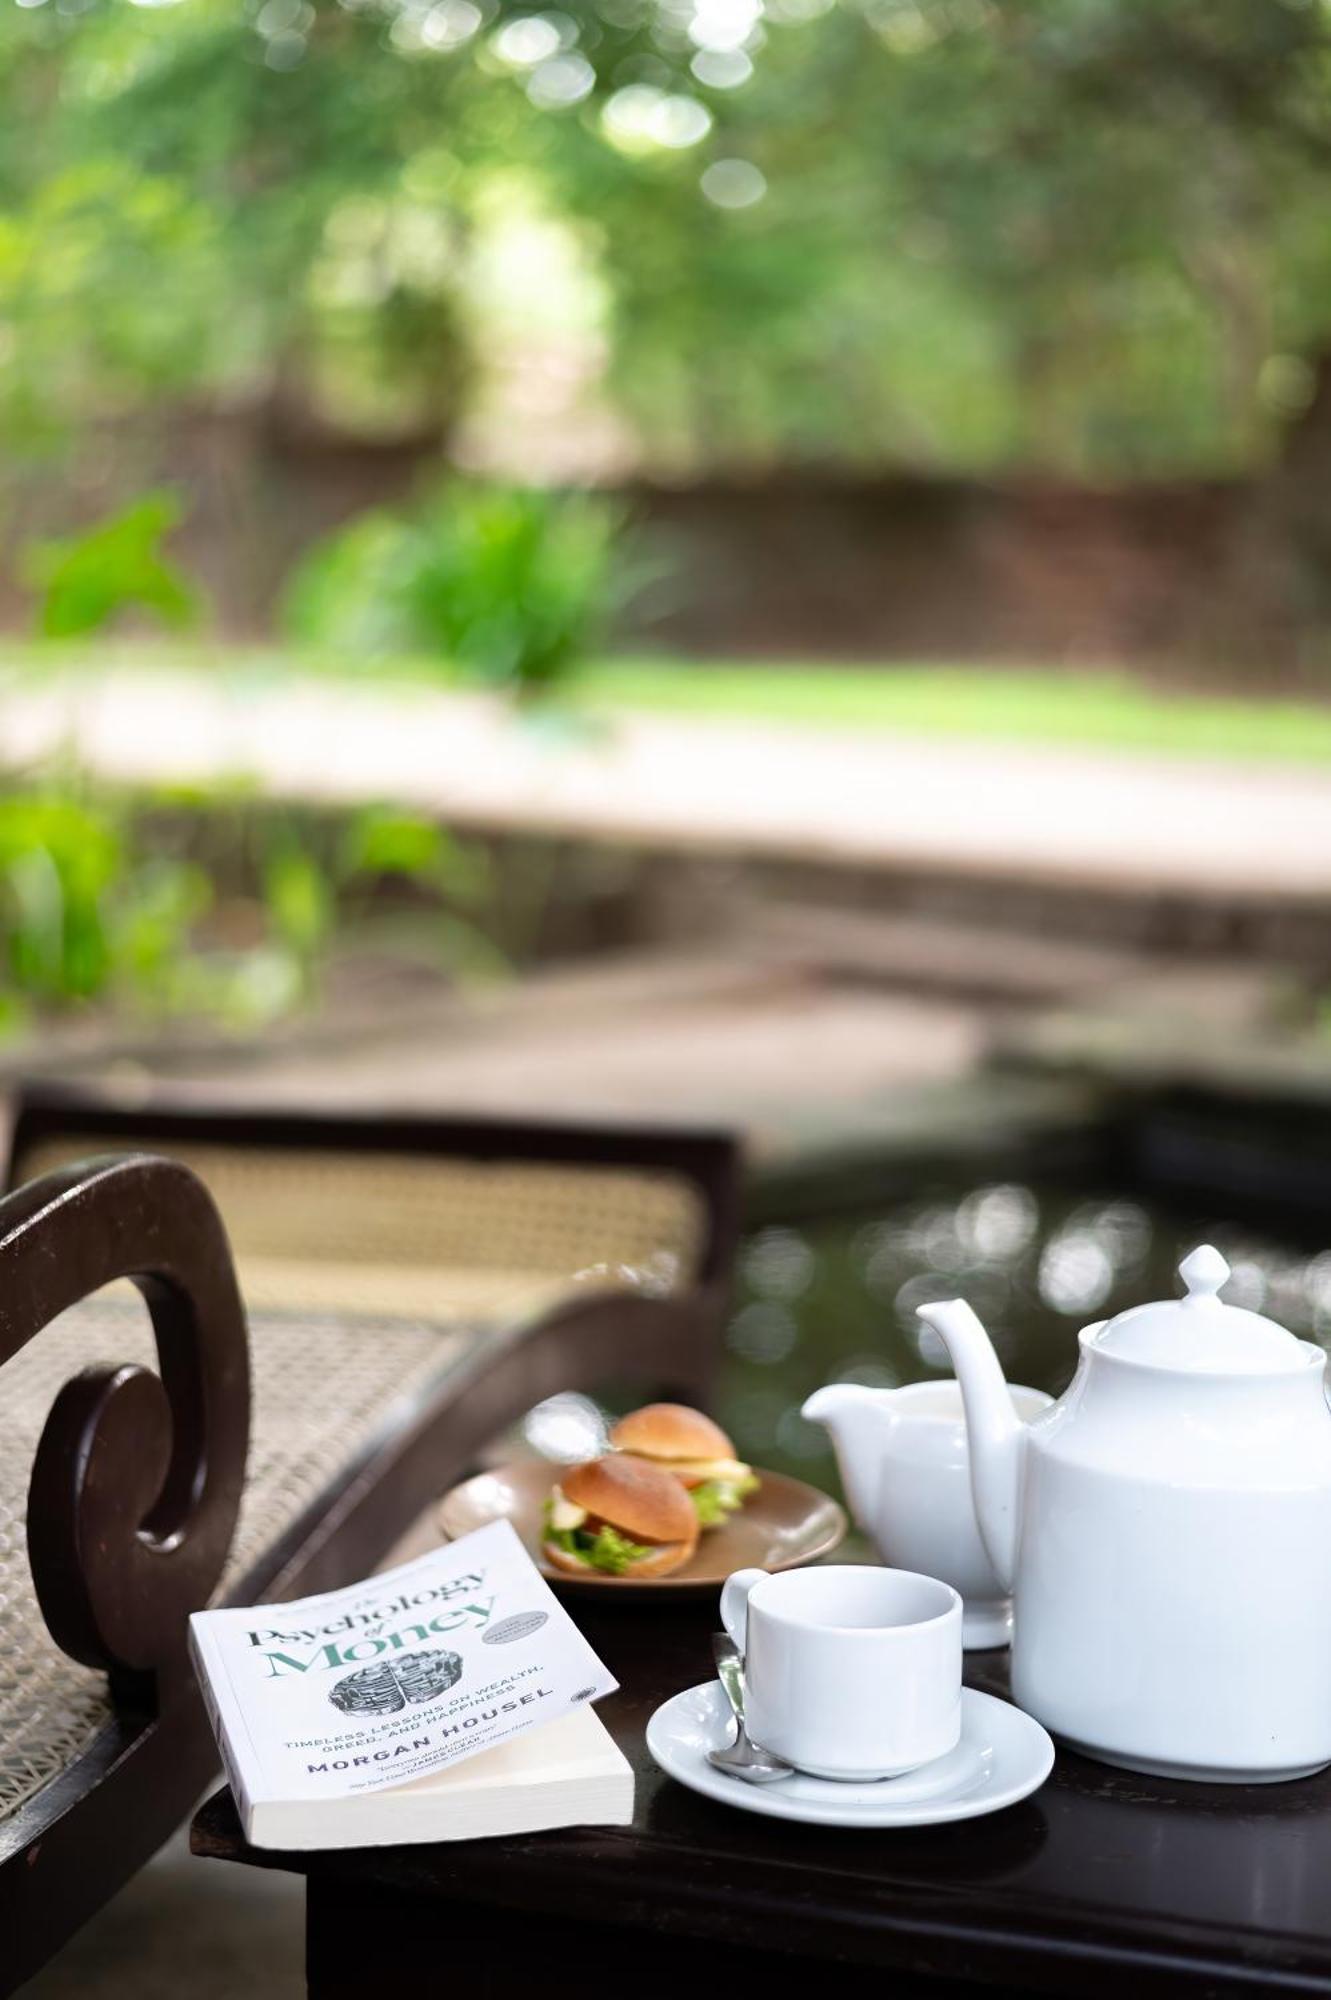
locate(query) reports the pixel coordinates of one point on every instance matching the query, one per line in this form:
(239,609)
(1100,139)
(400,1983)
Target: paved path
(1054,815)
(799,1064)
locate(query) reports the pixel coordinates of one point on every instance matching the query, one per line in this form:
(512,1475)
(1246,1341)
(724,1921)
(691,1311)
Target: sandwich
(620,1516)
(698,1453)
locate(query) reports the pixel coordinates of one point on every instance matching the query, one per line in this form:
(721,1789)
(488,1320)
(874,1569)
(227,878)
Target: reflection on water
(834,1299)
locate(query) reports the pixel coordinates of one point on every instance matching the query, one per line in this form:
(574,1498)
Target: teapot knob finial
(1203,1271)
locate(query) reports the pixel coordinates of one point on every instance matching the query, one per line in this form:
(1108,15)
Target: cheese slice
(708,1468)
(565,1513)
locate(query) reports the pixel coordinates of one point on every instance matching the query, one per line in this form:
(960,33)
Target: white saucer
(1003,1755)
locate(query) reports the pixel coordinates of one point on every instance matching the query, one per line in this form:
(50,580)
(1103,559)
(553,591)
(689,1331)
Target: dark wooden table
(1100,1883)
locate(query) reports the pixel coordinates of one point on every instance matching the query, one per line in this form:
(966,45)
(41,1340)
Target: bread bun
(659,1561)
(671,1431)
(641,1500)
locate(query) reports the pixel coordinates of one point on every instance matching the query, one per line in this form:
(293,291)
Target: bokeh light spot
(640,118)
(733,183)
(528,40)
(722,69)
(449,24)
(724,24)
(561,81)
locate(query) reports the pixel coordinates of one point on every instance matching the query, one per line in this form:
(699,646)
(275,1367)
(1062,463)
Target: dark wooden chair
(412,1287)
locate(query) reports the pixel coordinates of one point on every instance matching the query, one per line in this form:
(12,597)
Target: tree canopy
(1083,235)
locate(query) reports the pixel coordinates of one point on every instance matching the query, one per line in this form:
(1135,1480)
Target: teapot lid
(1200,1331)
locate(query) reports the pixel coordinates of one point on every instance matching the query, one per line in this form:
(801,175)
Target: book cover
(359,1693)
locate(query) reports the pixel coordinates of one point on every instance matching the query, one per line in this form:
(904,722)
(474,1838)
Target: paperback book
(444,1699)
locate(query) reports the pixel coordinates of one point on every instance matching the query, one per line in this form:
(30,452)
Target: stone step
(915,953)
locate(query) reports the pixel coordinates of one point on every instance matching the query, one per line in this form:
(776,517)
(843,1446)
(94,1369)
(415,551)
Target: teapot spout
(858,1419)
(995,1435)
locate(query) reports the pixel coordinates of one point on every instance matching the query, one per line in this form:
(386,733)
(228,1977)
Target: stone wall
(795,565)
(945,569)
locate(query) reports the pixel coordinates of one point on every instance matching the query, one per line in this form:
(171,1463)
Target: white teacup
(850,1672)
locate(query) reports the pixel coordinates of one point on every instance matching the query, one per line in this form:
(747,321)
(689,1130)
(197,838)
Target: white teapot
(1165,1530)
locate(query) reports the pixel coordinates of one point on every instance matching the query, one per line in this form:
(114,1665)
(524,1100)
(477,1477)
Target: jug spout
(995,1435)
(858,1419)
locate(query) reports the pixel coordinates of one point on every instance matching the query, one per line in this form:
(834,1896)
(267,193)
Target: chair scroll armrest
(137,1478)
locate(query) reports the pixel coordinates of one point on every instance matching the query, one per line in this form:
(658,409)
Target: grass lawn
(1105,710)
(1108,710)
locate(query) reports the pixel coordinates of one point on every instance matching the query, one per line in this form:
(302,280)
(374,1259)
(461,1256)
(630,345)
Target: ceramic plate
(785,1523)
(1003,1756)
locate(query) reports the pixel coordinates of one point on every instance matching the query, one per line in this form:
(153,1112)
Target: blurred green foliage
(1078,234)
(513,586)
(210,904)
(301,904)
(82,913)
(84,581)
(383,844)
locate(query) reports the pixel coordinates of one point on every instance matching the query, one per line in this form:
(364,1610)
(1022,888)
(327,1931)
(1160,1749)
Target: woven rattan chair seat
(322,1384)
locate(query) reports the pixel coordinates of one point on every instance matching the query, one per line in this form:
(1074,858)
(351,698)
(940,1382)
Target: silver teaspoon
(743,1758)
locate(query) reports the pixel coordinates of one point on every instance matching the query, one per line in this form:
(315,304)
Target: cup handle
(735,1603)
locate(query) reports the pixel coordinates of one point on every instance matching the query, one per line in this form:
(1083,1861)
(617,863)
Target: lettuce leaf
(605,1549)
(717,1498)
(613,1552)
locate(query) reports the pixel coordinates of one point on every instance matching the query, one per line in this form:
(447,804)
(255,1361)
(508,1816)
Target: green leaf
(716,1499)
(380,841)
(85,581)
(298,899)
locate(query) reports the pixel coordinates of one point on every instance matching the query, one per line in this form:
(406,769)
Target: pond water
(833,1299)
